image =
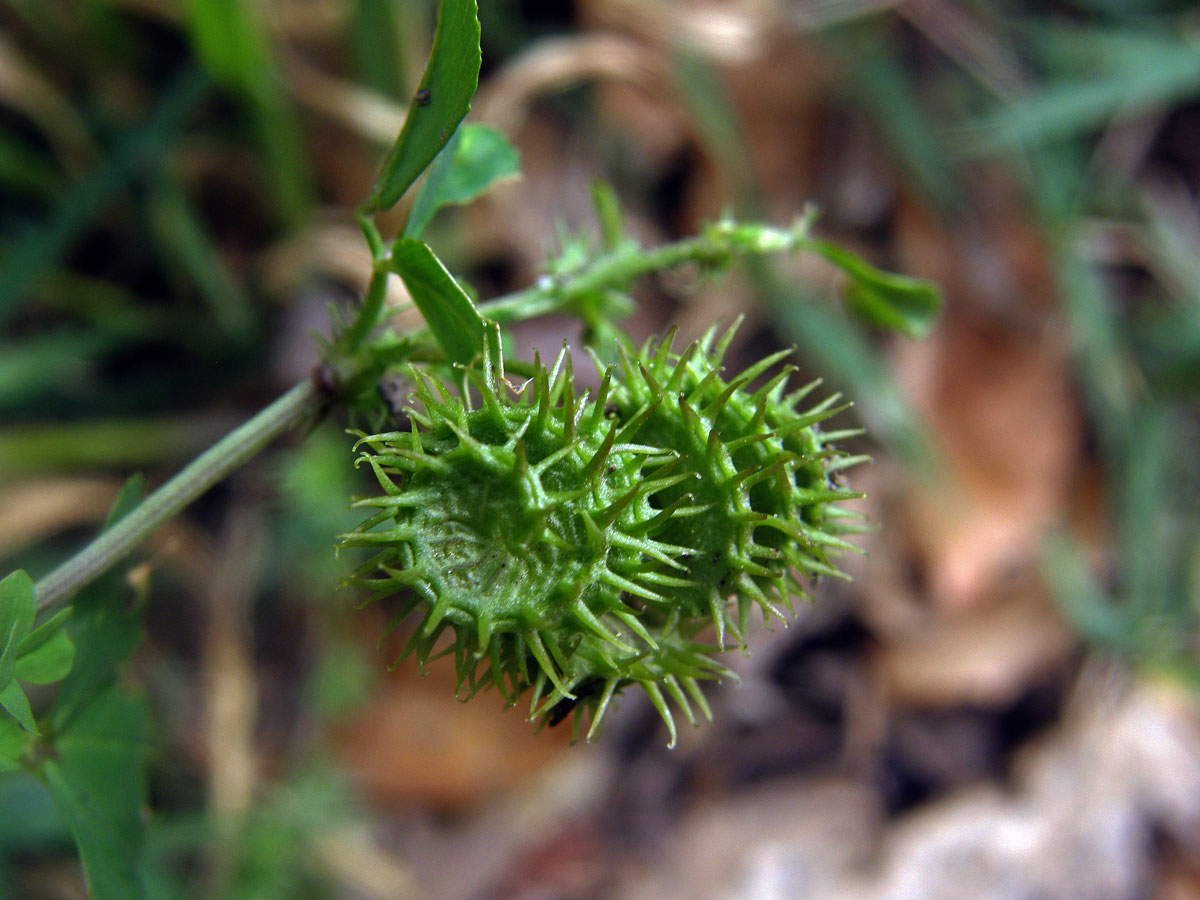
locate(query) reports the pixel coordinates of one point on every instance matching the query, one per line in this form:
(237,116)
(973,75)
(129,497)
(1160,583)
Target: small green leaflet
(95,767)
(475,159)
(455,322)
(13,741)
(440,103)
(18,606)
(38,655)
(608,214)
(16,704)
(105,628)
(909,305)
(46,654)
(41,655)
(97,778)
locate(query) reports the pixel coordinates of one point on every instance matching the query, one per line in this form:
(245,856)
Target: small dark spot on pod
(423,97)
(610,410)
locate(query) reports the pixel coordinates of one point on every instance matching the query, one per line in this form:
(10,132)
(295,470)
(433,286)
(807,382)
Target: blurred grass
(28,259)
(231,41)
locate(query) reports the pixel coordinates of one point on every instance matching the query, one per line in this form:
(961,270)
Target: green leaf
(98,781)
(608,214)
(105,635)
(14,701)
(104,629)
(29,823)
(46,654)
(476,158)
(837,346)
(13,741)
(126,501)
(23,651)
(484,157)
(426,204)
(18,606)
(909,305)
(452,317)
(441,101)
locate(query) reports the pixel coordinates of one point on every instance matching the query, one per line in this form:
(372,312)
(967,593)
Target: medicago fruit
(573,545)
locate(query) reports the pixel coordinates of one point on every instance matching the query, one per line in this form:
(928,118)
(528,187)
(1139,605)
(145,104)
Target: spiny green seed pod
(758,505)
(570,561)
(525,527)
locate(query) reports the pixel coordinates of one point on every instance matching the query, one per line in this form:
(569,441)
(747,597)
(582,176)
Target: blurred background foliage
(176,186)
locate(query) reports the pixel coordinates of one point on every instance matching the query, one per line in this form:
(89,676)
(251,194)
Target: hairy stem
(720,244)
(203,472)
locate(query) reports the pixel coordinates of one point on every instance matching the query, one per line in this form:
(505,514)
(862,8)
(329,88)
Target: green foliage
(17,609)
(94,755)
(898,302)
(47,653)
(439,104)
(1133,351)
(97,778)
(277,851)
(475,159)
(37,655)
(455,322)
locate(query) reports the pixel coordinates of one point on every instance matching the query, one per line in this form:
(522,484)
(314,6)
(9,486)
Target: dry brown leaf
(993,384)
(32,510)
(987,657)
(414,744)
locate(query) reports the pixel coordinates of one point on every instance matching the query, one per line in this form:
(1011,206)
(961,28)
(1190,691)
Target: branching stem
(720,243)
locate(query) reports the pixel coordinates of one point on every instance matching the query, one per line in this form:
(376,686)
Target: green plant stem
(369,313)
(720,244)
(202,473)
